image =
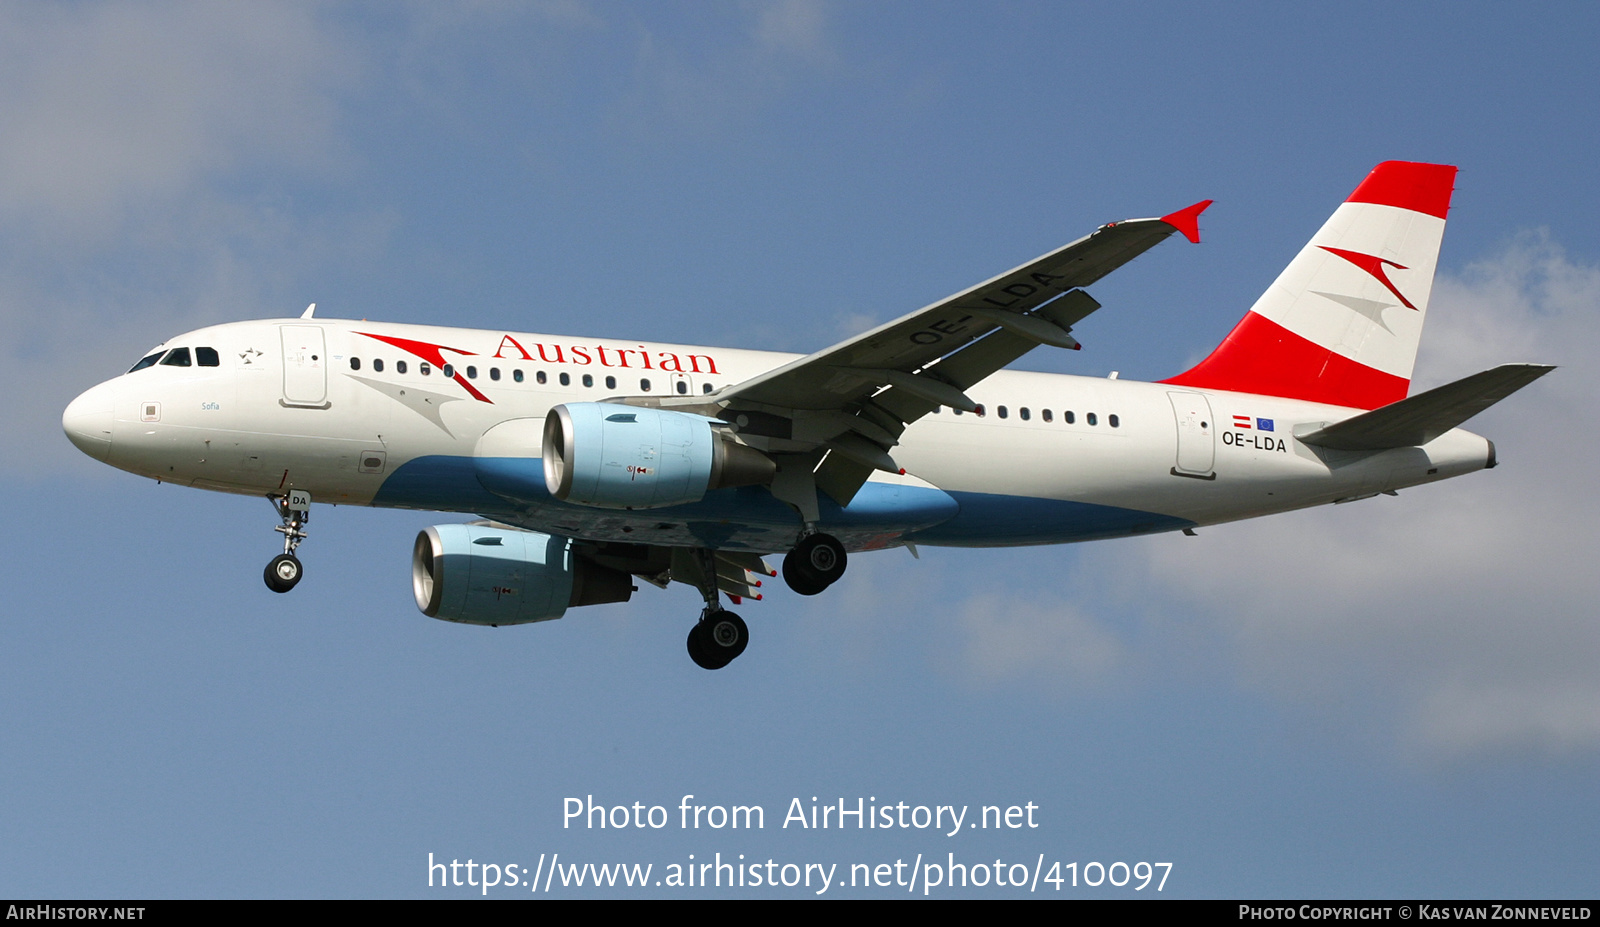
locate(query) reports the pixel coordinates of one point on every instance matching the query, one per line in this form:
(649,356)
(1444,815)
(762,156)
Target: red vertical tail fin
(1342,323)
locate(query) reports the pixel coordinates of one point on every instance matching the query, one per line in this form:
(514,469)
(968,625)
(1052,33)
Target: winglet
(311,311)
(1187,220)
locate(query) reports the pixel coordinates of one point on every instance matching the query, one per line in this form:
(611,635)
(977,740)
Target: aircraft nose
(87,422)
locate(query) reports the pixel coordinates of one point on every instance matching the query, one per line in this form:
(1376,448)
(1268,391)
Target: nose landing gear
(814,564)
(285,570)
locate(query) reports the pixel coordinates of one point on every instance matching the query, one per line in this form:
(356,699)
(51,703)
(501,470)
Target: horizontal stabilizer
(1425,416)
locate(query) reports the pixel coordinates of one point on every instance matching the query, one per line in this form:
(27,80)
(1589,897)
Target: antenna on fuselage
(310,311)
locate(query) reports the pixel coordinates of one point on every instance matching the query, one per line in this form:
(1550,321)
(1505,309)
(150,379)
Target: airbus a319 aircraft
(592,462)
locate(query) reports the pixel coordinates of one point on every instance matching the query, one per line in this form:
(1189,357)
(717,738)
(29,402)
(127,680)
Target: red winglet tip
(1187,220)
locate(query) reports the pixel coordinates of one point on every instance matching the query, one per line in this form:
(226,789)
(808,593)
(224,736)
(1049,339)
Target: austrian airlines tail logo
(1374,266)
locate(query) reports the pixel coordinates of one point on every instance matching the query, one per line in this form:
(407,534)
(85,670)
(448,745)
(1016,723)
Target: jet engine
(478,574)
(627,457)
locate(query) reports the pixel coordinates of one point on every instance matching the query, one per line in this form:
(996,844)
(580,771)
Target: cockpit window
(147,361)
(177,357)
(207,357)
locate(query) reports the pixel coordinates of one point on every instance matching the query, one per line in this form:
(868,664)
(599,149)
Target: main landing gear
(285,571)
(720,635)
(717,638)
(816,563)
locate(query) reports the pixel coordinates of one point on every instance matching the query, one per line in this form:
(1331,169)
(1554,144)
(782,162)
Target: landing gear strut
(285,571)
(816,563)
(720,635)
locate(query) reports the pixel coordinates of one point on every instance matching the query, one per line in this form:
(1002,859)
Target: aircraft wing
(854,399)
(1015,301)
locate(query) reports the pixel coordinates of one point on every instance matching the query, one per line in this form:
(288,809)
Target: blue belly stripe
(922,514)
(990,520)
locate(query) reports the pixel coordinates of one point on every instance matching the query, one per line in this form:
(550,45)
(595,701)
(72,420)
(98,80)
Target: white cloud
(1050,642)
(794,26)
(1465,718)
(108,107)
(731,68)
(850,324)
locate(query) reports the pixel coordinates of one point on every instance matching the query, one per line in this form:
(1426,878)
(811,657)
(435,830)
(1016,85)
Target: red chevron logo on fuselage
(1374,266)
(433,353)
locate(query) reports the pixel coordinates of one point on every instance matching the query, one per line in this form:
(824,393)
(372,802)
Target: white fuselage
(357,413)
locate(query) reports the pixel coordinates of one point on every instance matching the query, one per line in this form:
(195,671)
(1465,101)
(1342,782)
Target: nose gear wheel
(283,573)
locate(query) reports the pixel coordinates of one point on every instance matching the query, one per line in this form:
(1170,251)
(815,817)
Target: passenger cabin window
(1001,411)
(446,371)
(424,369)
(683,387)
(399,366)
(355,363)
(1092,419)
(494,373)
(1113,421)
(207,357)
(472,373)
(377,364)
(588,380)
(705,387)
(1047,415)
(177,357)
(1024,413)
(566,379)
(1068,417)
(611,382)
(644,384)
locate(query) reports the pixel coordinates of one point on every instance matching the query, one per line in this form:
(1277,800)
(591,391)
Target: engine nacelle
(627,457)
(477,574)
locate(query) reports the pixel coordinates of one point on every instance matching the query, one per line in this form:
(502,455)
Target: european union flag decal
(1263,424)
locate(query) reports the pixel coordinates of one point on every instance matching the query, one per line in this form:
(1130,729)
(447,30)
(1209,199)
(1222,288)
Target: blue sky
(1396,697)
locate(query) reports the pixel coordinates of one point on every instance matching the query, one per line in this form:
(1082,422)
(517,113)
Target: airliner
(592,463)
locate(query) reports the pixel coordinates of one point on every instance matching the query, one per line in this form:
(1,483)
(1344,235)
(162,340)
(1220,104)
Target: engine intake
(478,574)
